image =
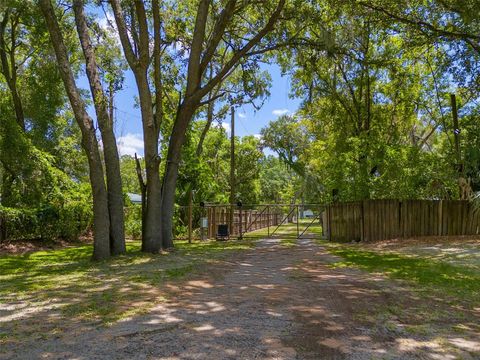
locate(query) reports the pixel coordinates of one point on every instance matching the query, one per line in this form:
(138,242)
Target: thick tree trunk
(138,58)
(152,240)
(112,161)
(101,246)
(184,116)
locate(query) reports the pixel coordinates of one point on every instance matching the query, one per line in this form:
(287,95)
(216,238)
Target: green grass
(288,230)
(459,281)
(104,291)
(288,242)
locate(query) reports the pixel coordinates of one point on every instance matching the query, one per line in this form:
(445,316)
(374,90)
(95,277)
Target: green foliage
(133,221)
(48,222)
(277,182)
(209,175)
(129,174)
(376,118)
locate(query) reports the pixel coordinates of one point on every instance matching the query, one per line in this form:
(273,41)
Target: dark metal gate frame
(244,230)
(300,229)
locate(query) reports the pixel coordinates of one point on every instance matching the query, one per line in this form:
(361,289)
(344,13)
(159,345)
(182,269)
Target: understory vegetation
(388,108)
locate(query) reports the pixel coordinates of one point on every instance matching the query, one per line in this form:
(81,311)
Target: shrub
(47,222)
(133,221)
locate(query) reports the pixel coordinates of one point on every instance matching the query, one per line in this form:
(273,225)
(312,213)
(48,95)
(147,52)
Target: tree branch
(467,37)
(194,74)
(123,33)
(217,33)
(243,51)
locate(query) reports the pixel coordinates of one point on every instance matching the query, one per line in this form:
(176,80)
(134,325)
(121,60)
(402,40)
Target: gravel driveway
(272,302)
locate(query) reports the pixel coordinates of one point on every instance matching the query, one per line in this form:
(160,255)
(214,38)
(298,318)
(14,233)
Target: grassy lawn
(288,230)
(428,274)
(103,291)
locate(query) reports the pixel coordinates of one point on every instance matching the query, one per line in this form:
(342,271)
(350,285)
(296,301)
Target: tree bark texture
(101,248)
(151,236)
(105,122)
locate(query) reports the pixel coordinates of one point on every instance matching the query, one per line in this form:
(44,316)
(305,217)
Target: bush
(133,221)
(47,222)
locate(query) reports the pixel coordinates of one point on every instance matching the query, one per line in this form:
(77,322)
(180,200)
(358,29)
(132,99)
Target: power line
(127,113)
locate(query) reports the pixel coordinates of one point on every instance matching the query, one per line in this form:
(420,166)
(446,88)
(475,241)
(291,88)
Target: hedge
(47,222)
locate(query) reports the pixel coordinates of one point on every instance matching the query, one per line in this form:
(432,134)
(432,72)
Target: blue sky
(128,124)
(248,120)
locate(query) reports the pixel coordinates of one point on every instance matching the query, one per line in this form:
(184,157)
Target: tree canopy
(377,118)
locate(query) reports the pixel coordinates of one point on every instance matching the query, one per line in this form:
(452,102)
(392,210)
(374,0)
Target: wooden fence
(244,220)
(372,220)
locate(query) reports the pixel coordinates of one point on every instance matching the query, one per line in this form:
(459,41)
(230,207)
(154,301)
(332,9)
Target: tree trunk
(138,58)
(152,240)
(184,116)
(112,161)
(101,245)
(143,189)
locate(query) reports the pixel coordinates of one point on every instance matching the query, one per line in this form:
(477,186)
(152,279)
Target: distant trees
(375,78)
(42,173)
(215,39)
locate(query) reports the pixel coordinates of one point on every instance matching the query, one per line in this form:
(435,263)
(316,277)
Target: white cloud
(242,115)
(257,136)
(130,144)
(280,112)
(108,24)
(227,127)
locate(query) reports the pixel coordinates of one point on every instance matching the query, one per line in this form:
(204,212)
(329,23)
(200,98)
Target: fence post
(240,224)
(268,220)
(190,217)
(440,216)
(362,221)
(298,219)
(329,222)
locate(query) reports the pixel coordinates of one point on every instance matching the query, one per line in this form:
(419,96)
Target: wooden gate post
(190,217)
(268,220)
(298,229)
(240,224)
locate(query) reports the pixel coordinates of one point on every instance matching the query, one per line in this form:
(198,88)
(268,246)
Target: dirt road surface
(272,302)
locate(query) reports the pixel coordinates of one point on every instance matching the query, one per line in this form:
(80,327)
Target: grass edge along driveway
(105,291)
(427,275)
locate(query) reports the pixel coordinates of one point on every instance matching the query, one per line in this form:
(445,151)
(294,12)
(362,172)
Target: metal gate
(294,221)
(252,220)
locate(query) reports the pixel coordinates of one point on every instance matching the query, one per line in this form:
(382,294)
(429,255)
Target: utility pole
(465,189)
(232,166)
(456,133)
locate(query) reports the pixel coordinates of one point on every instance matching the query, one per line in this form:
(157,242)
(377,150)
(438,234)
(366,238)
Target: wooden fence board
(372,220)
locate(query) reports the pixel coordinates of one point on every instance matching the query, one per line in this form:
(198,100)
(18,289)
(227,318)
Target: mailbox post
(203,228)
(203,223)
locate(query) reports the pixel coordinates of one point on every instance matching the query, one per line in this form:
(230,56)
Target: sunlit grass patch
(105,291)
(458,281)
(288,242)
(288,230)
